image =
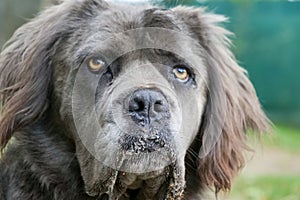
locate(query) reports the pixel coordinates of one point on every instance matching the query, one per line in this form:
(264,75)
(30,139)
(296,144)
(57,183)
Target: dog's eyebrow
(79,58)
(162,18)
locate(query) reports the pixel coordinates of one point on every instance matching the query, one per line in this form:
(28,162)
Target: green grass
(272,187)
(266,188)
(285,138)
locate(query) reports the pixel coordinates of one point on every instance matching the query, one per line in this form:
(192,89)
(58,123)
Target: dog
(103,100)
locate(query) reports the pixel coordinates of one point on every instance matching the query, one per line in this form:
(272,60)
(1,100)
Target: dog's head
(138,89)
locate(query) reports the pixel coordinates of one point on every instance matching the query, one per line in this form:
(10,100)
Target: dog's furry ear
(232,105)
(25,73)
(25,66)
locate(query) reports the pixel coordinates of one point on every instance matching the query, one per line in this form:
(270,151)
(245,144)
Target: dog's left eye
(181,73)
(95,64)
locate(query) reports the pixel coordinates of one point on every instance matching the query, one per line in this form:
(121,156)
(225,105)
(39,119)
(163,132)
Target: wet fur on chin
(42,161)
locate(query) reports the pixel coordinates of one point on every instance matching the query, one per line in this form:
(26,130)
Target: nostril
(158,106)
(137,105)
(140,105)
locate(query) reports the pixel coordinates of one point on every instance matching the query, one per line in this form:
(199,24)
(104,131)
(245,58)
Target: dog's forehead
(120,29)
(121,17)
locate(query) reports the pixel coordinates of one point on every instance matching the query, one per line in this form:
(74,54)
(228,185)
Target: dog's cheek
(192,106)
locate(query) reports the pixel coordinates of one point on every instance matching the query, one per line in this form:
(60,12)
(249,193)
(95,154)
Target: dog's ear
(25,64)
(25,73)
(232,105)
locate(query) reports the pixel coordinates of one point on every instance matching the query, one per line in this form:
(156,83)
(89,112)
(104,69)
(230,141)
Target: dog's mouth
(146,143)
(139,165)
(135,150)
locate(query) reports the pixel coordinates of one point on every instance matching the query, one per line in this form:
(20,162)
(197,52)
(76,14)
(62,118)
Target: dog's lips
(155,149)
(142,144)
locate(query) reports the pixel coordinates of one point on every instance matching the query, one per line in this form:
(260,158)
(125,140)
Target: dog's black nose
(147,105)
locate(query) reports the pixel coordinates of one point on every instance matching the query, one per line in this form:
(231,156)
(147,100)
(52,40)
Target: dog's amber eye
(95,64)
(181,73)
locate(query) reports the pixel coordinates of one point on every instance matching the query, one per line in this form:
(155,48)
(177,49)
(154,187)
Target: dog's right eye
(95,64)
(181,73)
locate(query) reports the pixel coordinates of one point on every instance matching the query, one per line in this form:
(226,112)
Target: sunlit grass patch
(276,185)
(266,188)
(285,138)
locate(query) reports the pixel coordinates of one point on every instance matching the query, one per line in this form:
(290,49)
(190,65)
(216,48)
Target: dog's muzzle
(148,110)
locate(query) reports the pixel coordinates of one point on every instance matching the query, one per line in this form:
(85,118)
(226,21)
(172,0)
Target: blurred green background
(267,44)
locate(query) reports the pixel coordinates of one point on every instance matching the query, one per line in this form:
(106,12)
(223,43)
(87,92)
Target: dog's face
(138,92)
(141,91)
